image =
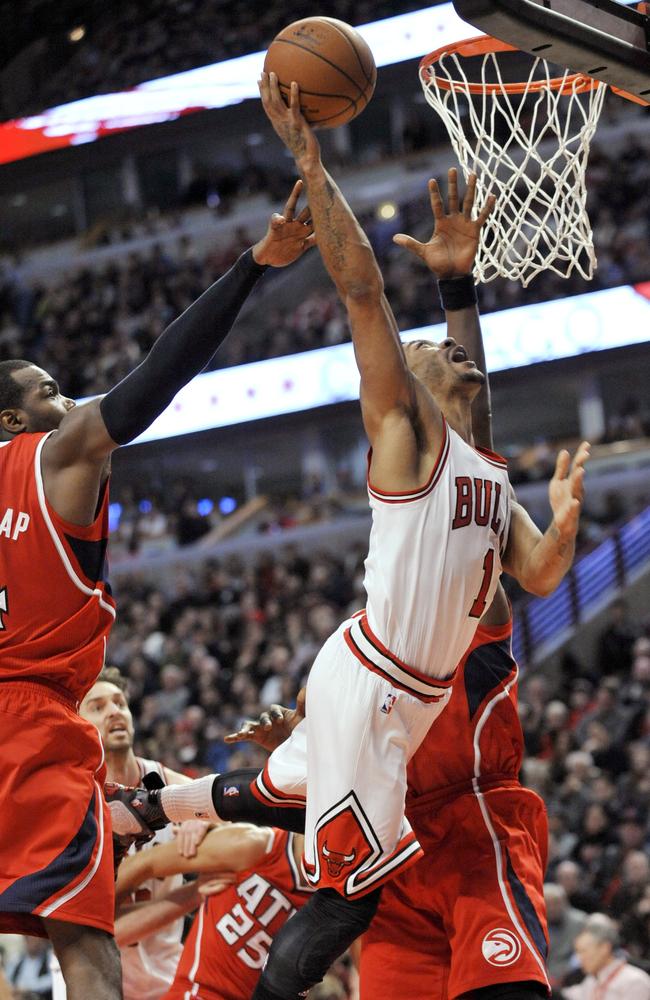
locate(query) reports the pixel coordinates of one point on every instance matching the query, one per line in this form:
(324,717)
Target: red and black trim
(492,457)
(422,491)
(374,655)
(265,791)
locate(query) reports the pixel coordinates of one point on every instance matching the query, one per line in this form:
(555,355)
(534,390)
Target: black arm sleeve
(181,352)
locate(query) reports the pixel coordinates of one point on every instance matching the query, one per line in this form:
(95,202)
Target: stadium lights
(526,335)
(392,40)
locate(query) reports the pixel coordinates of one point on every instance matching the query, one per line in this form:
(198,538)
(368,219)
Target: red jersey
(232,932)
(478,737)
(55,606)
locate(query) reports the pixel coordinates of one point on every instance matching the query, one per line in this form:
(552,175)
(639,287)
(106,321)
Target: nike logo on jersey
(4,608)
(12,527)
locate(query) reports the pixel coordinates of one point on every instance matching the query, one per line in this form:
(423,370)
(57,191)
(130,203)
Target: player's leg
(356,836)
(308,944)
(89,959)
(272,797)
(405,952)
(524,990)
(496,914)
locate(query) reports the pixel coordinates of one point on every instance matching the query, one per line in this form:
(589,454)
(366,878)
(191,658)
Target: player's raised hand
(452,247)
(566,490)
(273,726)
(288,122)
(288,235)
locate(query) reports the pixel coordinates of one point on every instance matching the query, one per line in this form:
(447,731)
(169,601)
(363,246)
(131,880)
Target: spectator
(616,642)
(29,973)
(608,974)
(564,925)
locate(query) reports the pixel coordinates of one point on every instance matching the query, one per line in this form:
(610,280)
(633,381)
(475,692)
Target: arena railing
(542,625)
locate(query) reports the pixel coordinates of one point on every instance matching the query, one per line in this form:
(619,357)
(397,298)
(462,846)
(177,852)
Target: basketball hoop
(528,142)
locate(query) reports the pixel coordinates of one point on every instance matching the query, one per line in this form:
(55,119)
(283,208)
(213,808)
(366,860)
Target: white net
(530,149)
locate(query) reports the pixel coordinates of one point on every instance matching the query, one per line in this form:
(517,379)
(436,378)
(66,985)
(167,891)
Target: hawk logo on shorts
(336,860)
(387,707)
(231,790)
(501,947)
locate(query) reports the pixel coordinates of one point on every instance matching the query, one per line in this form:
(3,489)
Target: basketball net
(528,144)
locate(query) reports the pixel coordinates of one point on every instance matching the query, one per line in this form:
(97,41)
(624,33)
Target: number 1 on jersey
(478,607)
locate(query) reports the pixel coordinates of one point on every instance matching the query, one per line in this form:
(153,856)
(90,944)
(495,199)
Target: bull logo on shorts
(336,860)
(501,947)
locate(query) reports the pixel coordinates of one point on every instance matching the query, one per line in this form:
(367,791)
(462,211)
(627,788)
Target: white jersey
(434,558)
(148,967)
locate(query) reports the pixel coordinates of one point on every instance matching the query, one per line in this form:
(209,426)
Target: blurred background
(237,549)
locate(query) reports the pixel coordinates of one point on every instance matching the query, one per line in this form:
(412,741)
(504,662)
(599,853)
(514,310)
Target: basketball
(332,65)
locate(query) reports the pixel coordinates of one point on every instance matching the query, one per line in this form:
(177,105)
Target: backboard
(601,38)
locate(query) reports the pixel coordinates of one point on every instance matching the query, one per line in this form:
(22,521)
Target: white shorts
(367,714)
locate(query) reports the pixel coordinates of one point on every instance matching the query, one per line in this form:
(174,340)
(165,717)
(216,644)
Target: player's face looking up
(42,407)
(444,368)
(106,707)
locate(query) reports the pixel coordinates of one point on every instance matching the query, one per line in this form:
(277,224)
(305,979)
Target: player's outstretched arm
(540,561)
(386,383)
(229,848)
(449,254)
(87,434)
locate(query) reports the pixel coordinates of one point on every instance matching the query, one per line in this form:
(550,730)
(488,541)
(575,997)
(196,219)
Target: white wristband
(181,802)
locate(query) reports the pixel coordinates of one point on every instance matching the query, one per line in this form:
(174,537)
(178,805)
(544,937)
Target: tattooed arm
(540,561)
(398,414)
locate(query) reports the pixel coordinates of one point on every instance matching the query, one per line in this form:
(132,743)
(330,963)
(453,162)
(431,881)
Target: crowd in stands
(154,38)
(94,326)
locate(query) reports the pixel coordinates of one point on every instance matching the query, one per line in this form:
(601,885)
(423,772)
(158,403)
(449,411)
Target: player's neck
(122,767)
(457,412)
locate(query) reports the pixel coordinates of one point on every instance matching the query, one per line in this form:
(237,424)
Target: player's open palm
(288,235)
(566,490)
(451,250)
(273,726)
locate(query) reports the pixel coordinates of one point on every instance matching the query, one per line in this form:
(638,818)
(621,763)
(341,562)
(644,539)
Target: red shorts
(56,857)
(470,913)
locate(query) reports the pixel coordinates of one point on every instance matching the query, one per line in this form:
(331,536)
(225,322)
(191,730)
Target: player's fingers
(294,99)
(562,464)
(578,484)
(311,241)
(246,732)
(470,195)
(276,713)
(436,199)
(452,190)
(488,208)
(263,84)
(301,702)
(277,221)
(275,97)
(408,243)
(304,215)
(582,455)
(292,201)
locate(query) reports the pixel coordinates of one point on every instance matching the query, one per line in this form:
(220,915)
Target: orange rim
(481,45)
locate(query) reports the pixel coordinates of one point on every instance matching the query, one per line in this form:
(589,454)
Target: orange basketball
(332,65)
